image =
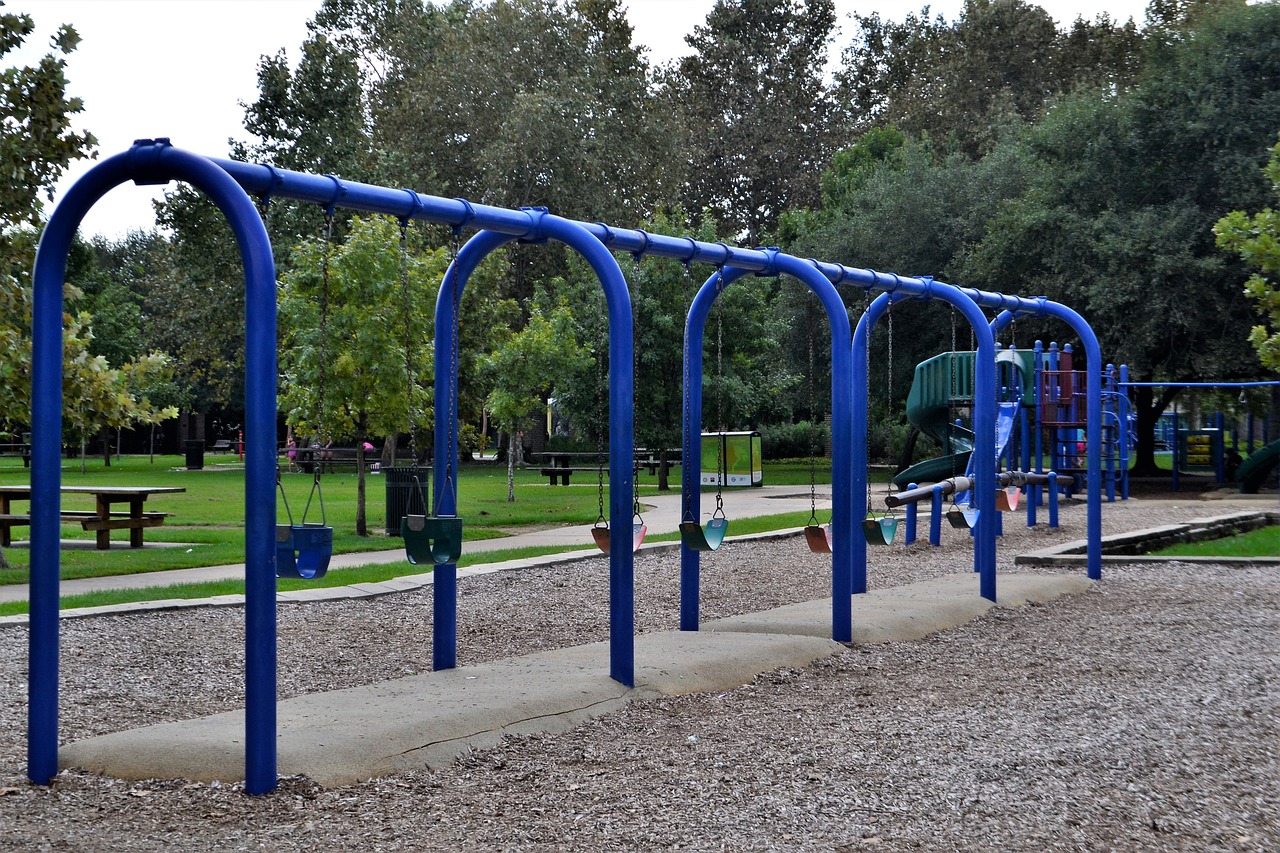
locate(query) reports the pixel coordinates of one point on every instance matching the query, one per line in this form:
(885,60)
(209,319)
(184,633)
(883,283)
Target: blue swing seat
(303,550)
(432,539)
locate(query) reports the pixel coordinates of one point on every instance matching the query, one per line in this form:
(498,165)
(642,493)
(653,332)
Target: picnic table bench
(101,520)
(222,445)
(17,449)
(561,468)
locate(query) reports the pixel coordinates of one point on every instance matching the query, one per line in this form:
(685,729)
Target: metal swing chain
(318,463)
(722,473)
(451,447)
(687,438)
(600,394)
(866,313)
(813,450)
(635,363)
(410,381)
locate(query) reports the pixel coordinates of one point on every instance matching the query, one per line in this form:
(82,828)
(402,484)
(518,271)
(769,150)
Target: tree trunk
(511,468)
(4,563)
(105,435)
(361,520)
(1148,407)
(389,450)
(664,471)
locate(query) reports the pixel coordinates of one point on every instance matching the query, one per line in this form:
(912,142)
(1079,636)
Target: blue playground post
(913,509)
(151,162)
(935,516)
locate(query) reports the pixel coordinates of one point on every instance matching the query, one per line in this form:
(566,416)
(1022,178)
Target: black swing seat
(303,550)
(699,538)
(963,518)
(600,533)
(432,539)
(880,531)
(818,538)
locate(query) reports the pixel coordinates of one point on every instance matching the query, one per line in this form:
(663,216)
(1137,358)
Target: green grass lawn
(208,518)
(1264,542)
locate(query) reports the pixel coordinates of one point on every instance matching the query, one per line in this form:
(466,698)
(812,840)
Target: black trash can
(195,454)
(404,497)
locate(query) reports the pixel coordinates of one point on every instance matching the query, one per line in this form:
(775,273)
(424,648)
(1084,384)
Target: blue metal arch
(842,452)
(984,426)
(156,162)
(545,226)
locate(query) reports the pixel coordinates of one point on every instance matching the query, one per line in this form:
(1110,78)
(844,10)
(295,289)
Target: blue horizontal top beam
(330,191)
(1258,384)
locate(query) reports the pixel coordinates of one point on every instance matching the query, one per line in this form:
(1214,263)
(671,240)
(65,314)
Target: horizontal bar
(1258,384)
(331,191)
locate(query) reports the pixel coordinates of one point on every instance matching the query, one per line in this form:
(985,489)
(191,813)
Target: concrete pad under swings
(907,612)
(427,720)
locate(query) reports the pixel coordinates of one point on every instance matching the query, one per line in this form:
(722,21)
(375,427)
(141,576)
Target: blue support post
(935,516)
(1053,499)
(913,509)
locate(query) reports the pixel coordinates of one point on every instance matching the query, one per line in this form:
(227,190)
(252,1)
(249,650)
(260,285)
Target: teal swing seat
(880,531)
(432,539)
(699,538)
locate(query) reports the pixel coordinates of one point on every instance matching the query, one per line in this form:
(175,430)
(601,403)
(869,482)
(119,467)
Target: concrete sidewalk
(428,720)
(662,514)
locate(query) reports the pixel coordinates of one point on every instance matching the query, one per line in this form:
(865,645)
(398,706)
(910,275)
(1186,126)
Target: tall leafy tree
(356,322)
(1118,221)
(1000,64)
(756,110)
(1256,239)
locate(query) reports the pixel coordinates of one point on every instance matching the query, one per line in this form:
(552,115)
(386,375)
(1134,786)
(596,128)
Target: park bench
(88,519)
(222,445)
(16,449)
(339,458)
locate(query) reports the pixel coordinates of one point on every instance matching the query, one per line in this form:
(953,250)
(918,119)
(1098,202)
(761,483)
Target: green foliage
(36,139)
(794,441)
(344,337)
(523,370)
(1256,239)
(757,111)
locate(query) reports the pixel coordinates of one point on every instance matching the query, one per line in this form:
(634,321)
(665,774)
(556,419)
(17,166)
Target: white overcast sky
(181,68)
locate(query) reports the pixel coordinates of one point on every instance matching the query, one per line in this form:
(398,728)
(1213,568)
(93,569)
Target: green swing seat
(303,550)
(699,538)
(880,531)
(432,539)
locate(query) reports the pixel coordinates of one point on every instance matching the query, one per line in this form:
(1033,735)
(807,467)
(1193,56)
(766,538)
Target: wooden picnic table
(102,519)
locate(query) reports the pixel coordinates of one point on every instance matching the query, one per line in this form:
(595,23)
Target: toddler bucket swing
(303,550)
(432,539)
(695,536)
(600,532)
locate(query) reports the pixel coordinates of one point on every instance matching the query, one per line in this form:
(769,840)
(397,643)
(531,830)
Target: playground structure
(229,185)
(1202,450)
(1041,421)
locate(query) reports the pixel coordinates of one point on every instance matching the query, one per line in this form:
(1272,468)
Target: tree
(1118,220)
(757,111)
(356,322)
(524,370)
(999,65)
(1256,239)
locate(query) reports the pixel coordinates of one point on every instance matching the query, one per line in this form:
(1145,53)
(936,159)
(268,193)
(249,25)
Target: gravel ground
(1144,715)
